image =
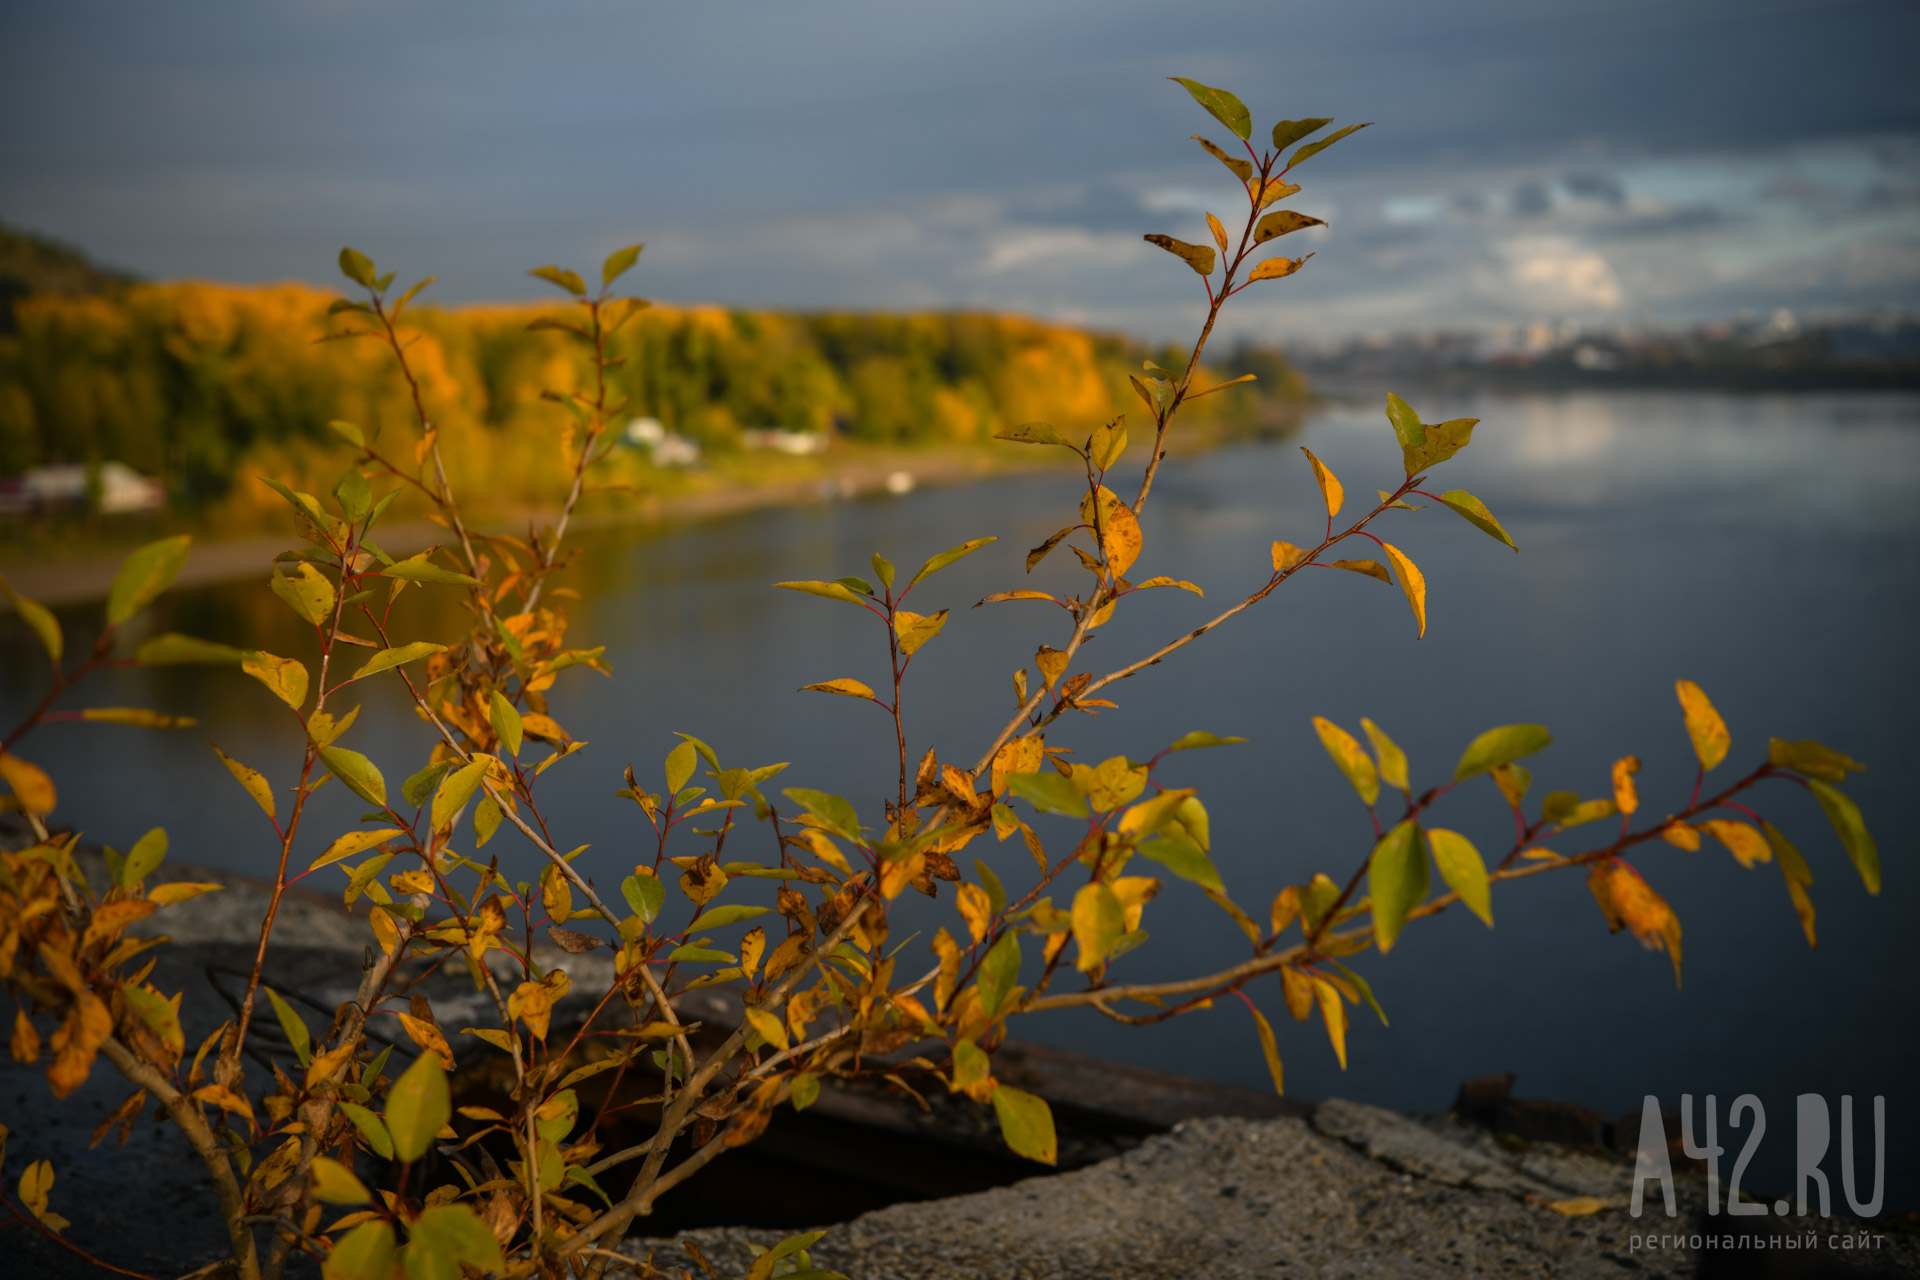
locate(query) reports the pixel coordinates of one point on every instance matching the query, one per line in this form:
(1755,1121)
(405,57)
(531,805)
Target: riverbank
(74,571)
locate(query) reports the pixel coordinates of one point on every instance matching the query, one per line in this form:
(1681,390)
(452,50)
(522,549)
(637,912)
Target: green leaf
(999,971)
(1185,858)
(172,649)
(1197,256)
(1365,989)
(830,809)
(806,1090)
(1424,445)
(1396,881)
(1288,132)
(568,280)
(456,789)
(401,304)
(1098,923)
(700,954)
(144,575)
(1500,746)
(297,1034)
(1048,792)
(506,723)
(357,267)
(1201,738)
(1852,830)
(646,895)
(373,1130)
(37,616)
(883,570)
(354,494)
(387,659)
(364,1253)
(1315,148)
(1222,106)
(308,593)
(455,1237)
(679,767)
(358,772)
(996,892)
(348,432)
(1475,512)
(618,262)
(1352,760)
(1461,867)
(145,855)
(1035,433)
(721,917)
(1026,1122)
(936,563)
(418,1106)
(860,585)
(827,590)
(420,569)
(1813,759)
(418,789)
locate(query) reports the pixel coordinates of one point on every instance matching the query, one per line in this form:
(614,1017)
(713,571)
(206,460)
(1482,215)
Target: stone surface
(1220,1199)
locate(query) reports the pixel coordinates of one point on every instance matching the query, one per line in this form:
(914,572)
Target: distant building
(63,487)
(798,443)
(664,448)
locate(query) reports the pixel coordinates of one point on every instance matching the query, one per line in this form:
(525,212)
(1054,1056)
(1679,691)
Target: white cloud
(1554,273)
(1057,249)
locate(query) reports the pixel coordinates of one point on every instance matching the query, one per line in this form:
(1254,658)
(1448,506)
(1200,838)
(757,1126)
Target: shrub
(825,995)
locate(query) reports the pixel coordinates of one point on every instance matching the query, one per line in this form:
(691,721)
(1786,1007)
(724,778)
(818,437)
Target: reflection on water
(1765,547)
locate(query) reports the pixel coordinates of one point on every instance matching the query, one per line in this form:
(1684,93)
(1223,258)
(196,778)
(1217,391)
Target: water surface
(1765,547)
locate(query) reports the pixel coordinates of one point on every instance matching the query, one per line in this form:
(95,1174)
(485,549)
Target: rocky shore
(1165,1186)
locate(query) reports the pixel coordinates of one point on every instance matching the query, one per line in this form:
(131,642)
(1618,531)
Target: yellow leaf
(1372,568)
(845,688)
(1330,487)
(25,1044)
(1286,556)
(1393,761)
(532,1003)
(1745,843)
(1626,796)
(1334,1014)
(307,592)
(1052,663)
(1286,907)
(257,786)
(916,629)
(1580,1206)
(31,785)
(1022,755)
(1704,725)
(1354,762)
(753,944)
(1278,268)
(770,1028)
(34,1186)
(286,677)
(1297,989)
(1461,867)
(1098,922)
(1680,836)
(138,717)
(165,895)
(1219,232)
(428,1037)
(976,908)
(225,1099)
(1629,902)
(1117,528)
(1411,582)
(1271,1049)
(351,843)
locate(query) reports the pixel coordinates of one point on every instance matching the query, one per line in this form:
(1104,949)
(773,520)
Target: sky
(1664,161)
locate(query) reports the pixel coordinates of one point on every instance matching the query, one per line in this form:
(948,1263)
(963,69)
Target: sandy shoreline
(87,578)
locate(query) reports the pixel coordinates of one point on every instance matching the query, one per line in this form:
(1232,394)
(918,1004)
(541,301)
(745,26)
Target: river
(1763,546)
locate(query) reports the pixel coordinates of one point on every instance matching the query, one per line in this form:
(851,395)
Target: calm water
(1764,547)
